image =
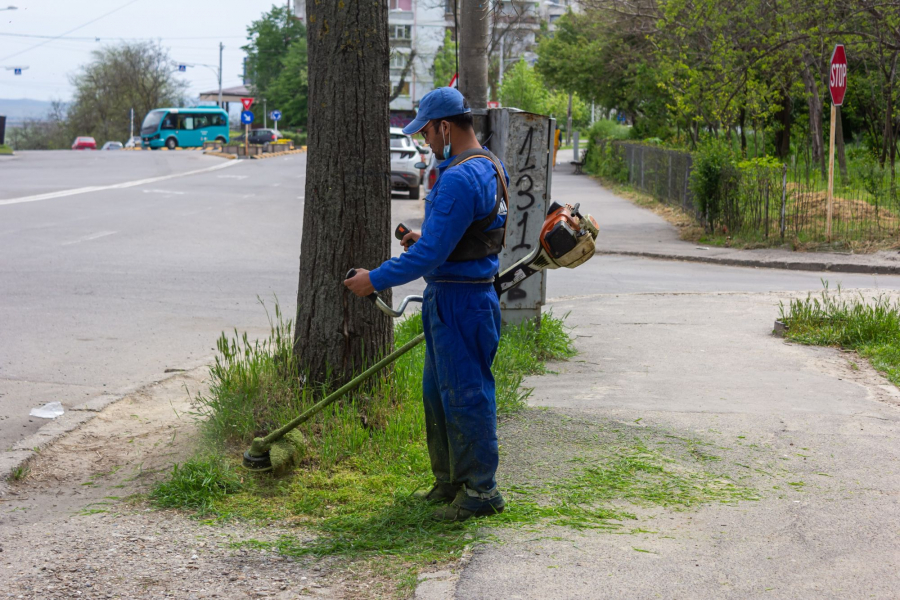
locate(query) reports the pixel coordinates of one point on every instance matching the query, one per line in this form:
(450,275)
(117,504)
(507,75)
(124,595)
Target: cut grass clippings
(870,327)
(366,456)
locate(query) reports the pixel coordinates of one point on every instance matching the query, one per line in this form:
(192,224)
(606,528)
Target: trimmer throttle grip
(401,231)
(373,296)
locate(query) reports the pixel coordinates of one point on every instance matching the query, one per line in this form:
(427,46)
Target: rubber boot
(465,506)
(440,493)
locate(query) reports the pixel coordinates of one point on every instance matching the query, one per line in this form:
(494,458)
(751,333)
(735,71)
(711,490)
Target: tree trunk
(743,133)
(815,119)
(783,133)
(839,144)
(346,217)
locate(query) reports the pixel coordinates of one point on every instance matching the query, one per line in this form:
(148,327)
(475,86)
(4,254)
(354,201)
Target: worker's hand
(360,284)
(409,239)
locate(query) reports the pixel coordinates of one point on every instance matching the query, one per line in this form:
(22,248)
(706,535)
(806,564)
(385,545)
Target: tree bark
(815,118)
(839,144)
(346,217)
(783,133)
(743,118)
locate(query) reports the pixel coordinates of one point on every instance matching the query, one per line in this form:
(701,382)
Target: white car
(134,142)
(405,155)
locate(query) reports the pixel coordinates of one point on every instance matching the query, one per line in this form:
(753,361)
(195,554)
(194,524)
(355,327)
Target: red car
(84,143)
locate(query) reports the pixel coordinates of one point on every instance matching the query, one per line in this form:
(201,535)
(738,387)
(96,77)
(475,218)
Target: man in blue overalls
(457,254)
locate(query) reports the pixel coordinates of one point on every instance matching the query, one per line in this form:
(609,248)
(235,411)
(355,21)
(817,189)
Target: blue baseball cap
(437,104)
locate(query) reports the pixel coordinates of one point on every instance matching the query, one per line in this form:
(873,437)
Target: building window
(404,89)
(398,60)
(401,4)
(401,32)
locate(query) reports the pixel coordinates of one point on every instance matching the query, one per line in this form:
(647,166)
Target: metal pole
(473,36)
(221,46)
(131,127)
(830,174)
(265,115)
(569,122)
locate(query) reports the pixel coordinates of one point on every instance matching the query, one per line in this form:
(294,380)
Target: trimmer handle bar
(382,305)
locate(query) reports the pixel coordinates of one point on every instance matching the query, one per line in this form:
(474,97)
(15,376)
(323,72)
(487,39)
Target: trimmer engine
(567,240)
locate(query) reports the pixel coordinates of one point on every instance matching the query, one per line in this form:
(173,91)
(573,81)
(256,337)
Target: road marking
(88,238)
(116,186)
(232,176)
(163,192)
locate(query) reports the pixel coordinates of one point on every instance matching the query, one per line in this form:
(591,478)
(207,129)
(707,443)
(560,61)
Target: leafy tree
(523,88)
(289,91)
(444,65)
(557,106)
(135,75)
(277,63)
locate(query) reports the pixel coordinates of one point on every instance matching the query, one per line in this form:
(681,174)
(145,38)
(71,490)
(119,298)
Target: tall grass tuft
(255,387)
(872,327)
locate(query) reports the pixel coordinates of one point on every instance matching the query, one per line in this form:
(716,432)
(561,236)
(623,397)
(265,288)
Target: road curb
(788,265)
(22,452)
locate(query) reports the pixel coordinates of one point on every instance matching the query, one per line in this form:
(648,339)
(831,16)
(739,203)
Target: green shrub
(714,182)
(607,129)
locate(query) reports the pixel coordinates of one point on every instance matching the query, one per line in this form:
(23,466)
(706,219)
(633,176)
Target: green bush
(607,129)
(714,182)
(299,139)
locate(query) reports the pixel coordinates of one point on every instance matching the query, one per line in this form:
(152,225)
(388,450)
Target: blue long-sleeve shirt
(461,196)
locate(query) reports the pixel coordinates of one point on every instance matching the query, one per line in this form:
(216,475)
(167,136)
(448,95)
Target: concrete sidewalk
(812,430)
(634,231)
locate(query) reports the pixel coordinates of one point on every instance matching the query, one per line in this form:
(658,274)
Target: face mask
(446,145)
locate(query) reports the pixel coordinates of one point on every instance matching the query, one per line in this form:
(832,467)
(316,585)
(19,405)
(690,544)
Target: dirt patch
(73,527)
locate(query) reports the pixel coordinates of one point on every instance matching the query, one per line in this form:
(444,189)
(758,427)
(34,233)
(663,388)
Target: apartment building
(416,29)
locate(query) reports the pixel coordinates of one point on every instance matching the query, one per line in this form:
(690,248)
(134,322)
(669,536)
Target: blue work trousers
(462,332)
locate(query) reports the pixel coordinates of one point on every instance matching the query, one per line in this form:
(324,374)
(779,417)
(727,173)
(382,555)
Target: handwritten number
(525,192)
(524,225)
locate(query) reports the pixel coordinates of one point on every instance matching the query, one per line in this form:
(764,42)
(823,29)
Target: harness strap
(478,229)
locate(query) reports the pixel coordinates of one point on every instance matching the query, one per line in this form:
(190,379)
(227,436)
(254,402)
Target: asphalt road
(103,290)
(117,266)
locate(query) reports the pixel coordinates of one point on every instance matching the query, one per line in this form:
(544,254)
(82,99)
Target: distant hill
(17,111)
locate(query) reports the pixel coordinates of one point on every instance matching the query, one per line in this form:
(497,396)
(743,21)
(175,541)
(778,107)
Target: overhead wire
(83,25)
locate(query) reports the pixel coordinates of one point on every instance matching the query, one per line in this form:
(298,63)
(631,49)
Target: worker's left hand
(360,284)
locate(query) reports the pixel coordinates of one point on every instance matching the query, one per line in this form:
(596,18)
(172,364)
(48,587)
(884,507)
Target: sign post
(837,85)
(246,119)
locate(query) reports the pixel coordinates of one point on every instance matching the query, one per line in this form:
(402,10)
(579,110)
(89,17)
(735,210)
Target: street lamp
(213,68)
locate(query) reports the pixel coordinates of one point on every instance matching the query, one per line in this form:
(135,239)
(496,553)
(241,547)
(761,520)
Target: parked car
(405,155)
(260,136)
(134,142)
(112,146)
(84,143)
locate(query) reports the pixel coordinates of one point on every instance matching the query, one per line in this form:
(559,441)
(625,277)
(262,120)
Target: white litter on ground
(51,410)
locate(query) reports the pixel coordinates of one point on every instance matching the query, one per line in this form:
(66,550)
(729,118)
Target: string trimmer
(567,240)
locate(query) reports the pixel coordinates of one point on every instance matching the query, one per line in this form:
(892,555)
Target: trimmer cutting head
(257,463)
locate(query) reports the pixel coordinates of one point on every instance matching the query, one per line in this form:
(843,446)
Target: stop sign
(837,82)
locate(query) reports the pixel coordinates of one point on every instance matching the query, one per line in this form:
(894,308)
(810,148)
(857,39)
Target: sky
(190,29)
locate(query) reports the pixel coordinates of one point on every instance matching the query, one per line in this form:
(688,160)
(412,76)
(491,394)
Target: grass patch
(196,484)
(870,327)
(366,456)
(4,149)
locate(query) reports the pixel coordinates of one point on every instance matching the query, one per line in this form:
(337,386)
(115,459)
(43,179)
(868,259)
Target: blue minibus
(184,127)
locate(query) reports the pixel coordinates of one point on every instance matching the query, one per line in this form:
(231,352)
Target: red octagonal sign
(837,82)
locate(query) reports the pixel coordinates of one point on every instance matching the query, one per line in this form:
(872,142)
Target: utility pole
(502,60)
(473,36)
(569,121)
(221,46)
(265,115)
(131,127)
